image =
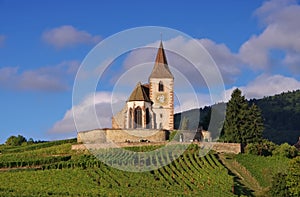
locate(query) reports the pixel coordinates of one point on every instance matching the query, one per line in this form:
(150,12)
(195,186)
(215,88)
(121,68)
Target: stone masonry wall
(121,135)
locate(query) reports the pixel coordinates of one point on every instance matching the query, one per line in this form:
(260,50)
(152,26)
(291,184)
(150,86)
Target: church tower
(161,92)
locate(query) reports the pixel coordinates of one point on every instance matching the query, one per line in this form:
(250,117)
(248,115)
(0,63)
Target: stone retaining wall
(121,135)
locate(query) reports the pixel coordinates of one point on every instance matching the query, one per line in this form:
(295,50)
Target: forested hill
(281,114)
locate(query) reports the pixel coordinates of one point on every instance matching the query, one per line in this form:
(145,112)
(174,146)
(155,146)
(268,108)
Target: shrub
(264,148)
(279,186)
(286,150)
(15,140)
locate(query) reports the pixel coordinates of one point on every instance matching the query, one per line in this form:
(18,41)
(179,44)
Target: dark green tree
(15,140)
(235,121)
(243,124)
(254,125)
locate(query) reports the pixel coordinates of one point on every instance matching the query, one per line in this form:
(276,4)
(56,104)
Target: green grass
(263,168)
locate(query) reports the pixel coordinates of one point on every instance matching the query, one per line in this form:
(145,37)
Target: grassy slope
(263,168)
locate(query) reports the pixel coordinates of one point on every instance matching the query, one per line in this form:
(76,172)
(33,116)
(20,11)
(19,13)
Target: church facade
(151,105)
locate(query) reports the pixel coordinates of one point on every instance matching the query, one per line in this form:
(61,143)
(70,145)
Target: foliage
(15,140)
(35,146)
(286,150)
(243,124)
(279,187)
(263,148)
(293,177)
(288,183)
(281,115)
(263,168)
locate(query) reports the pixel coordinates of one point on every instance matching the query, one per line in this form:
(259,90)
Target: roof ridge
(139,94)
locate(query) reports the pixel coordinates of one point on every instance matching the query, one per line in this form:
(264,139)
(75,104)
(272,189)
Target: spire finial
(160,36)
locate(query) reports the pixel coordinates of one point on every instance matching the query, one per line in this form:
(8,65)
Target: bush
(288,184)
(264,148)
(15,140)
(286,150)
(279,186)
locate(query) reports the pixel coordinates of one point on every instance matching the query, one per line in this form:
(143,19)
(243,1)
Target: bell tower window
(160,86)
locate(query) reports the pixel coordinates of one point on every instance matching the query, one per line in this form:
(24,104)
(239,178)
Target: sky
(254,43)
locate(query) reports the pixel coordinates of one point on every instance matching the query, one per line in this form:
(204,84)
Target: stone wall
(226,147)
(121,135)
(92,136)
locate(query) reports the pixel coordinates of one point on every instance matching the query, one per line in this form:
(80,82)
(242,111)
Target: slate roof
(140,93)
(161,68)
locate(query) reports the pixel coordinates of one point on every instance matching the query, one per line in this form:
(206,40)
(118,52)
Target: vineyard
(53,169)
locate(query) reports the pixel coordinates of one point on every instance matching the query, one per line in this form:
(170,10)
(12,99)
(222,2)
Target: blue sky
(42,43)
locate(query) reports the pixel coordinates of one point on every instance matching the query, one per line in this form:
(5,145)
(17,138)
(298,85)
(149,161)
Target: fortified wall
(121,135)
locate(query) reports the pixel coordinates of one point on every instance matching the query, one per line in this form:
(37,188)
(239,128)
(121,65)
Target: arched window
(130,119)
(138,117)
(160,86)
(148,122)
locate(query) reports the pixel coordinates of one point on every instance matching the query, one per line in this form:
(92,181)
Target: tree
(255,125)
(15,140)
(262,148)
(235,120)
(243,124)
(286,150)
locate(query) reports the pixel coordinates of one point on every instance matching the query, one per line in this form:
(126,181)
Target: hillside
(53,169)
(281,114)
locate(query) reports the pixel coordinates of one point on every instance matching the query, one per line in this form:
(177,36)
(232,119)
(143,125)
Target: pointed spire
(161,56)
(161,68)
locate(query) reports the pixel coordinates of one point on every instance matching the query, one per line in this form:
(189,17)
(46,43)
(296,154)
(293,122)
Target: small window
(161,115)
(160,86)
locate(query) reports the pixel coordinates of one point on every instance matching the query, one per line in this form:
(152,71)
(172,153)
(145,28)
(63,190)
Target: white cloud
(2,40)
(191,101)
(67,35)
(48,78)
(227,62)
(105,104)
(266,85)
(281,33)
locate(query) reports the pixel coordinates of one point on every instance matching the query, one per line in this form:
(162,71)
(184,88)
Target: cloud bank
(67,35)
(48,79)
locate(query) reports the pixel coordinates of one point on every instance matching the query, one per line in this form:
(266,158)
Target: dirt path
(245,183)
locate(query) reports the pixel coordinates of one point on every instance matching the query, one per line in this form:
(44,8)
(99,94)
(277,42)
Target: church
(148,114)
(151,105)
